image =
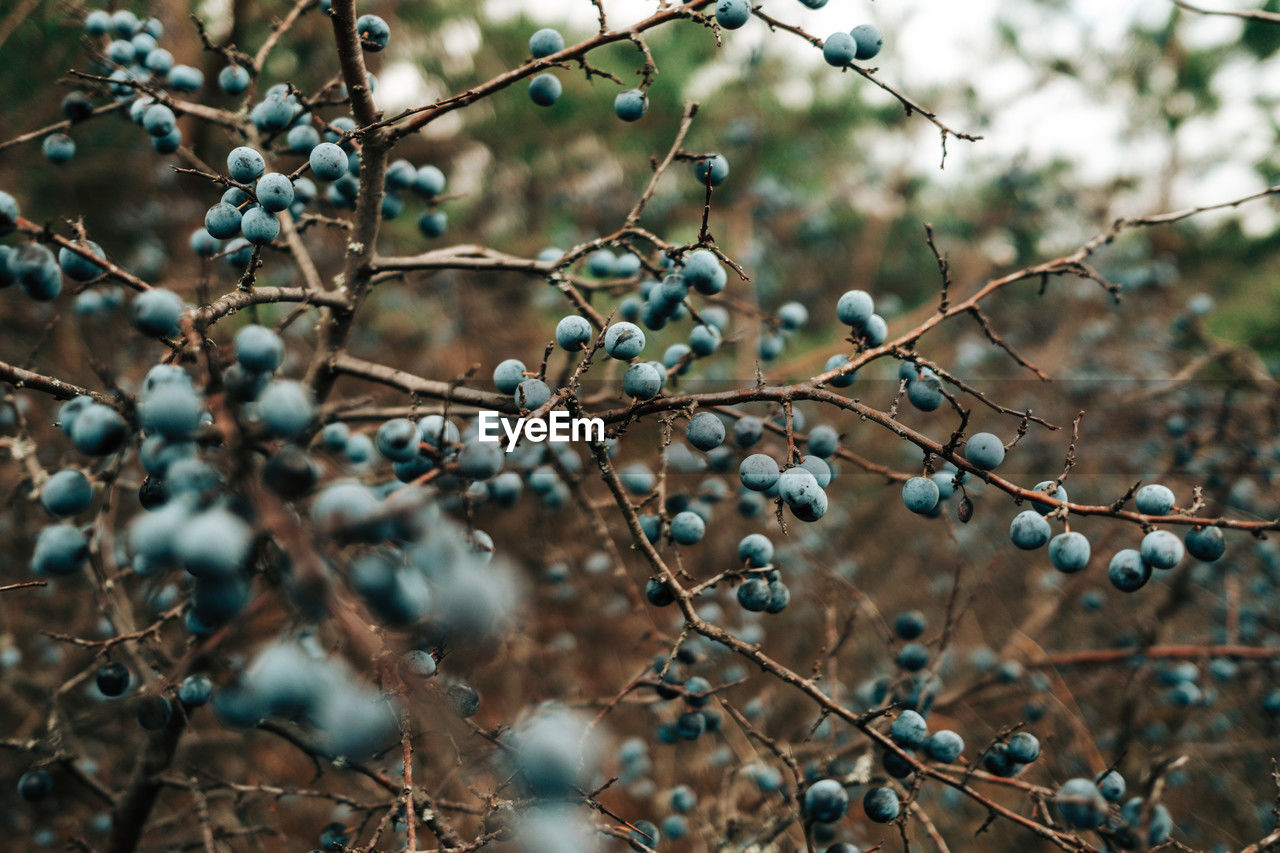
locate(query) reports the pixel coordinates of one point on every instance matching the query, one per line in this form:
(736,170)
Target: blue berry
(754,595)
(173,410)
(704,340)
(909,624)
(705,431)
(276,112)
(36,271)
(9,214)
(1111,785)
(800,490)
(508,375)
(160,62)
(245,165)
(826,801)
(687,528)
(328,161)
(945,746)
(374,33)
(544,90)
(429,181)
(1206,544)
(909,730)
(658,593)
(602,263)
(432,223)
(479,460)
(98,430)
(67,493)
(401,175)
(398,439)
(61,549)
(630,105)
(274,191)
(1023,748)
(204,244)
(1080,804)
(195,691)
(1058,493)
(531,394)
(1154,499)
(258,226)
(876,331)
(286,408)
(759,472)
(868,39)
(819,468)
(925,392)
(704,272)
(214,544)
(259,349)
(120,52)
(302,139)
(112,679)
(159,120)
(642,381)
(920,494)
(78,267)
(823,441)
(1069,552)
(624,341)
(1161,549)
(573,333)
(881,805)
(1029,530)
(712,170)
(58,148)
(124,23)
(755,550)
(184,78)
(233,80)
(645,833)
(733,14)
(839,49)
(913,657)
(97,22)
(222,221)
(836,362)
(771,346)
(35,785)
(545,42)
(1127,571)
(983,450)
(855,308)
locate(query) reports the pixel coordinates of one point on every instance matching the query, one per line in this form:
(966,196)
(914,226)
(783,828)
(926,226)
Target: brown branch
(335,324)
(44,234)
(58,126)
(22,378)
(907,103)
(413,120)
(280,28)
(24,585)
(129,818)
(1248,15)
